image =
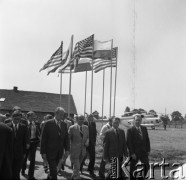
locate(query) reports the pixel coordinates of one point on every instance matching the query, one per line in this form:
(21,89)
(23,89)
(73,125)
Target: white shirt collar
(14,124)
(80,126)
(138,127)
(56,120)
(109,125)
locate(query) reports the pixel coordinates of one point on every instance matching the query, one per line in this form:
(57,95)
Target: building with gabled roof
(41,103)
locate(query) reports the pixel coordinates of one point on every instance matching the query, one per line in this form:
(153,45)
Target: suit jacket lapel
(58,130)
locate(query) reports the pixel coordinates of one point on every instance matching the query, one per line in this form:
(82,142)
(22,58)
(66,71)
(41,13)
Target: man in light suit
(103,131)
(54,140)
(139,146)
(79,138)
(115,146)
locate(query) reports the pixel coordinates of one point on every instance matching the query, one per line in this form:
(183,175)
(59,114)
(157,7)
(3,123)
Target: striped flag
(100,64)
(55,59)
(64,58)
(68,69)
(67,61)
(83,50)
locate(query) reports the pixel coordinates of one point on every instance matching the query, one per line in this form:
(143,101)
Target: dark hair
(116,118)
(111,118)
(137,115)
(16,113)
(80,117)
(48,116)
(16,108)
(59,109)
(30,113)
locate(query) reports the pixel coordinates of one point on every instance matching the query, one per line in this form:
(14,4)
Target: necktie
(81,132)
(139,131)
(15,130)
(59,128)
(117,133)
(58,123)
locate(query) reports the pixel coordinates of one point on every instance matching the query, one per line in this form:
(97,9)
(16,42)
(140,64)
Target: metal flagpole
(103,94)
(70,80)
(111,80)
(60,88)
(92,80)
(61,76)
(134,55)
(115,81)
(85,92)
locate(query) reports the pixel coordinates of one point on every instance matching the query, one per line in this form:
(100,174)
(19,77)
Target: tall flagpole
(85,92)
(92,79)
(103,94)
(60,89)
(111,80)
(61,77)
(115,81)
(70,80)
(134,55)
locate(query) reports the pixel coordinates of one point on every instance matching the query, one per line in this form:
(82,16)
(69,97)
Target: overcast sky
(151,57)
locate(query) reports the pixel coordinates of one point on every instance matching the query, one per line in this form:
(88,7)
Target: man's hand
(44,157)
(106,160)
(133,156)
(27,146)
(87,143)
(66,154)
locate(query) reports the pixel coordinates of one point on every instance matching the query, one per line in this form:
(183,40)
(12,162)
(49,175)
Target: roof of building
(35,101)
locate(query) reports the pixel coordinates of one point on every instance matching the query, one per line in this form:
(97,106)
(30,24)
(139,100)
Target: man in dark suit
(92,143)
(20,143)
(34,138)
(115,147)
(139,146)
(103,131)
(54,140)
(6,142)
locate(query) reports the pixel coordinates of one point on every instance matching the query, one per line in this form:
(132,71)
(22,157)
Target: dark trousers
(52,162)
(16,167)
(144,160)
(102,168)
(31,153)
(91,152)
(25,160)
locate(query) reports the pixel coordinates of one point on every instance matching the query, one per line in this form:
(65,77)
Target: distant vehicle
(148,120)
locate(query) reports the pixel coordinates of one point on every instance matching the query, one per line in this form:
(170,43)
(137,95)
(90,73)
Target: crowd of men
(58,138)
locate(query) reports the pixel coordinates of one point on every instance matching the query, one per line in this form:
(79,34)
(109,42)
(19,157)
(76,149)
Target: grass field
(169,144)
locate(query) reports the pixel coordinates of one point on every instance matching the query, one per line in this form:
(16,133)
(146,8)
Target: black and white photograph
(93,89)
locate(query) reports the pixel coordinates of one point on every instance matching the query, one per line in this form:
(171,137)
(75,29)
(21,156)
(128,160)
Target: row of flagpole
(53,62)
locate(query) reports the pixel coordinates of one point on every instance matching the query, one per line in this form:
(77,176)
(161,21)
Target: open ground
(169,144)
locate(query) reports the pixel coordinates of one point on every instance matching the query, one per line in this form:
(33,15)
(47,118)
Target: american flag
(64,59)
(100,64)
(55,59)
(83,49)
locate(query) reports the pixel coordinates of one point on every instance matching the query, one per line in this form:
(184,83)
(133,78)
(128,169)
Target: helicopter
(148,120)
